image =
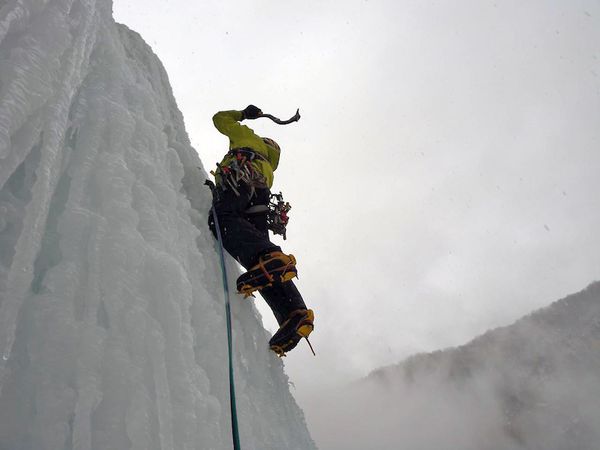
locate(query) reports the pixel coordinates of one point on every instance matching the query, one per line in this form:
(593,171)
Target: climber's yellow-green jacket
(241,136)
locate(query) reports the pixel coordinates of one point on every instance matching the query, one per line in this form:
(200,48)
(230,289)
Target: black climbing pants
(246,238)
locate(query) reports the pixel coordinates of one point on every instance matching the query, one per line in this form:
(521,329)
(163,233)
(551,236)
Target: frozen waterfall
(112,326)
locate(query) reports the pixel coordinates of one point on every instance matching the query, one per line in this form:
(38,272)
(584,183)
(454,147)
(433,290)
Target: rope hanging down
(234,423)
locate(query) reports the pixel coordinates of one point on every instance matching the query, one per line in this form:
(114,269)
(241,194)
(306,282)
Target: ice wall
(112,330)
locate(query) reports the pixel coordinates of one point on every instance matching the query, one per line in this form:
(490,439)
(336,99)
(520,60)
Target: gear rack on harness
(277,217)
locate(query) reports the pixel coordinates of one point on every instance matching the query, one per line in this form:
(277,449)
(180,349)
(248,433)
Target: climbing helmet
(271,143)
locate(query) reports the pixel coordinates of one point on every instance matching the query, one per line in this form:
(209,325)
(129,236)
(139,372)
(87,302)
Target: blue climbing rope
(234,423)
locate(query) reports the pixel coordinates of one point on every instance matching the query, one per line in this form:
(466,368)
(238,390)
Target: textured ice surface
(112,330)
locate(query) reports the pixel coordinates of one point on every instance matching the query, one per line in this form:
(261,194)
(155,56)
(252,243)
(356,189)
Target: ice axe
(294,118)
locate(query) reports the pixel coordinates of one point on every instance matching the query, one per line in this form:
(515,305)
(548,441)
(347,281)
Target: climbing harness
(234,423)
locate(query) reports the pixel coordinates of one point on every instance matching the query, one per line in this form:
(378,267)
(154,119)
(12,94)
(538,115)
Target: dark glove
(251,112)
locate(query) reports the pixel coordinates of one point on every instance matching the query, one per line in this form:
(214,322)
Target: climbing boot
(298,325)
(273,267)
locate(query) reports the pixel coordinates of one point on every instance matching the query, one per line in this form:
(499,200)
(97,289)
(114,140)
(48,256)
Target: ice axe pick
(294,118)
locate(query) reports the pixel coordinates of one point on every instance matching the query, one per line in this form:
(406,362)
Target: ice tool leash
(234,422)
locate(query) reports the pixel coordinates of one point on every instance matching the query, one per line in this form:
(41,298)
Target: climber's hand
(251,112)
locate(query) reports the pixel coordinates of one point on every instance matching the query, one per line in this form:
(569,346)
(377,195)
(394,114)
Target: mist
(531,385)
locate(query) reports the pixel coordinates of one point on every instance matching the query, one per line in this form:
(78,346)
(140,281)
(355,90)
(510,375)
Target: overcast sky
(444,176)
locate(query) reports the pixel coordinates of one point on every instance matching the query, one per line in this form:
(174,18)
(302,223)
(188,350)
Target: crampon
(298,326)
(274,267)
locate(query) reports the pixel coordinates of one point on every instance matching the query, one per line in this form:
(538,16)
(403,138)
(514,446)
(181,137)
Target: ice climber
(241,201)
